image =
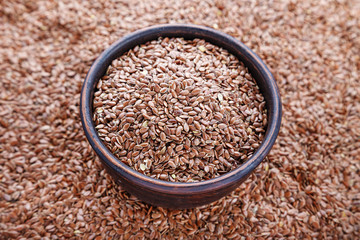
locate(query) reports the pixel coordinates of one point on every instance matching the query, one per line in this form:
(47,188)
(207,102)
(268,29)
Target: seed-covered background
(52,184)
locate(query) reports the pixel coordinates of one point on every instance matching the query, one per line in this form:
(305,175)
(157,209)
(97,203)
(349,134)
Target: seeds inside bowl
(180,110)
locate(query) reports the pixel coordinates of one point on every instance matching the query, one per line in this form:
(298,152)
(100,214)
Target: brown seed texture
(52,186)
(194,104)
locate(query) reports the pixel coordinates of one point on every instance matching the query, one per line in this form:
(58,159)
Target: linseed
(52,186)
(195,104)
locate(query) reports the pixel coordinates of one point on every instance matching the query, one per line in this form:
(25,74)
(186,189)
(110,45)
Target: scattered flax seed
(52,184)
(188,125)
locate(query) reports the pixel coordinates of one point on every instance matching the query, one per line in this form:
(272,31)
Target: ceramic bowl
(170,194)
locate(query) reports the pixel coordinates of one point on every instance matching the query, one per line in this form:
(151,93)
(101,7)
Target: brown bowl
(170,194)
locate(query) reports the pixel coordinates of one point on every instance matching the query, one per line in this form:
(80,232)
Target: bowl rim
(97,70)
